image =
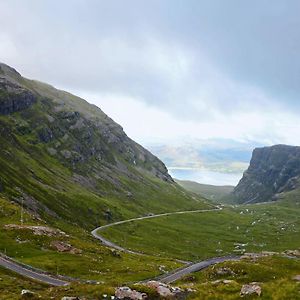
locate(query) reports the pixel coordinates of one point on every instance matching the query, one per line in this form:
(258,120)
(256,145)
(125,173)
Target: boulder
(224,271)
(164,290)
(27,294)
(295,253)
(250,289)
(64,247)
(45,135)
(224,281)
(70,298)
(297,277)
(127,293)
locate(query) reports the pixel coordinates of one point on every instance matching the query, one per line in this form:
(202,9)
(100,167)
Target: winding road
(179,273)
(110,244)
(32,273)
(42,276)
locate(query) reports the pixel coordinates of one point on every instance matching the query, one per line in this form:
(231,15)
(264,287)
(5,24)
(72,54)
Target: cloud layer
(180,68)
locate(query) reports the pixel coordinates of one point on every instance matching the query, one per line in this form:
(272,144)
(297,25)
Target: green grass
(274,274)
(29,169)
(211,192)
(95,262)
(11,285)
(272,227)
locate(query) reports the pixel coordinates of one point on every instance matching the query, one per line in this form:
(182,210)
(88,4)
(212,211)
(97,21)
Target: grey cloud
(192,58)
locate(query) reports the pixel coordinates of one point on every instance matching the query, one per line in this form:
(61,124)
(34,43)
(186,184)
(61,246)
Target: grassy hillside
(274,274)
(71,168)
(65,159)
(272,227)
(93,261)
(211,192)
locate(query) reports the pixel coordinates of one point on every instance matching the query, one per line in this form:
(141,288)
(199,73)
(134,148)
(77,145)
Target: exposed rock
(250,289)
(224,271)
(66,154)
(37,230)
(27,294)
(297,277)
(224,281)
(127,293)
(52,151)
(164,290)
(70,298)
(13,97)
(272,170)
(295,253)
(254,256)
(64,247)
(45,135)
(115,253)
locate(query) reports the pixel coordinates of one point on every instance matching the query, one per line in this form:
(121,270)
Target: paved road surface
(36,275)
(169,278)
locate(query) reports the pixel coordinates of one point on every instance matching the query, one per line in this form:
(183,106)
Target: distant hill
(216,155)
(211,192)
(272,172)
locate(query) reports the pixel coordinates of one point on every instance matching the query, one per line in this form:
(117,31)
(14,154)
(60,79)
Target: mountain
(64,158)
(272,171)
(211,192)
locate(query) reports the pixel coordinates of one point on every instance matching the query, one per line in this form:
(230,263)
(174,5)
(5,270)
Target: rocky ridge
(272,171)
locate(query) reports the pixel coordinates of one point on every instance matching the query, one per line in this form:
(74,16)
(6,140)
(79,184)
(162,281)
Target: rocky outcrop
(37,230)
(250,289)
(61,246)
(159,289)
(14,98)
(27,294)
(272,170)
(127,293)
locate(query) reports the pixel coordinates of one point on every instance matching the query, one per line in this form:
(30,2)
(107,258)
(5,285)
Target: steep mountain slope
(64,158)
(272,171)
(211,192)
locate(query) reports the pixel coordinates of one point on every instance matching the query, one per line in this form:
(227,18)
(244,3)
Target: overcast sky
(166,69)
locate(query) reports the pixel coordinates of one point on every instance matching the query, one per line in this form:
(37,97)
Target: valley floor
(163,240)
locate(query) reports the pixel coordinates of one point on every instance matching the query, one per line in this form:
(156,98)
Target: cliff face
(13,98)
(272,170)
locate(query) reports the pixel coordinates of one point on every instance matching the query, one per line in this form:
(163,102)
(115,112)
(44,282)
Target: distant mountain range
(217,155)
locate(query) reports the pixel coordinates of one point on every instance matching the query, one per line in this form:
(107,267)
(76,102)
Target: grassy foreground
(94,262)
(270,227)
(275,275)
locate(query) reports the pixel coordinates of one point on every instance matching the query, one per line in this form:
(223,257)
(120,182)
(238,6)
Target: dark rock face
(14,98)
(45,134)
(272,170)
